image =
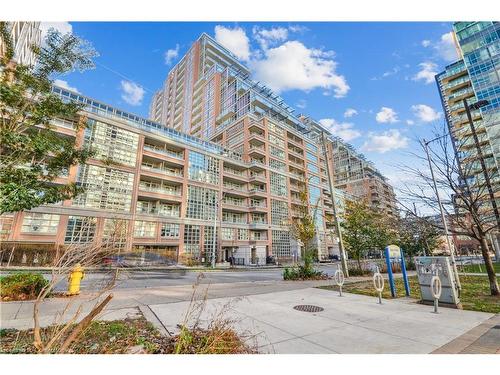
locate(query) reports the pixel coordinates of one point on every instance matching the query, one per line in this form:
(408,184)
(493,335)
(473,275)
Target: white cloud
(65,85)
(171,55)
(132,93)
(410,122)
(425,113)
(343,130)
(235,40)
(294,66)
(269,37)
(301,104)
(386,115)
(349,112)
(62,27)
(446,47)
(426,73)
(386,141)
(426,43)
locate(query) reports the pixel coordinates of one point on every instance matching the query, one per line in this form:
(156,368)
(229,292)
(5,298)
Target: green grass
(475,292)
(478,268)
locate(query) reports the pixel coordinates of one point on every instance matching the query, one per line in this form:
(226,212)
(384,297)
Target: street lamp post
(334,208)
(443,218)
(478,105)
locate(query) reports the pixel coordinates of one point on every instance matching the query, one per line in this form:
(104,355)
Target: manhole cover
(308,308)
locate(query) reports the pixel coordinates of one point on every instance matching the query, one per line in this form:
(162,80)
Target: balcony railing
(164,151)
(160,189)
(170,172)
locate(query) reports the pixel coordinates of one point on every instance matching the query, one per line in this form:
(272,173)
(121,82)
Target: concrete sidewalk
(349,324)
(264,311)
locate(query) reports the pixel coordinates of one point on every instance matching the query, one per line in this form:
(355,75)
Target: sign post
(405,275)
(390,252)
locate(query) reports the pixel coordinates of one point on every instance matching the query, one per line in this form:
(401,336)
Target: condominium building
(23,36)
(208,91)
(475,78)
(220,151)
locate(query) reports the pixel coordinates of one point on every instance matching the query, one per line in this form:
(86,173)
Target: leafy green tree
(303,229)
(364,229)
(417,236)
(32,154)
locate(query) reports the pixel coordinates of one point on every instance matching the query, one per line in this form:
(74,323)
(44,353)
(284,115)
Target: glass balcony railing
(164,151)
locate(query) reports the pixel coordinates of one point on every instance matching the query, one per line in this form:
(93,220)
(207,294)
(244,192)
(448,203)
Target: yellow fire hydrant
(74,279)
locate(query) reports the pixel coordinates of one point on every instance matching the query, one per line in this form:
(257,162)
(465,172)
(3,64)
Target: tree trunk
(359,264)
(489,267)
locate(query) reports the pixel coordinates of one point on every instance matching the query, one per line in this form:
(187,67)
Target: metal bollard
(339,280)
(436,291)
(378,282)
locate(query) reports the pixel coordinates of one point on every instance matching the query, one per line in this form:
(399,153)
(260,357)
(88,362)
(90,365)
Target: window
(276,140)
(311,147)
(112,143)
(115,233)
(275,128)
(203,168)
(144,228)
(227,233)
(5,226)
(312,168)
(279,212)
(279,184)
(105,188)
(276,164)
(80,229)
(201,203)
(169,230)
(280,243)
(208,245)
(311,157)
(40,223)
(242,234)
(274,151)
(192,239)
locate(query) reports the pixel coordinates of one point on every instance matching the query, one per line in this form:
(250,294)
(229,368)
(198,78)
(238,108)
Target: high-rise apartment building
(221,151)
(23,35)
(474,78)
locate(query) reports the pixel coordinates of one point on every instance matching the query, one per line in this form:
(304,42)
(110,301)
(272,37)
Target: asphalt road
(162,278)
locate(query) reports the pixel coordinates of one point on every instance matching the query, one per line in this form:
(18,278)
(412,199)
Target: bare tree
(87,254)
(465,197)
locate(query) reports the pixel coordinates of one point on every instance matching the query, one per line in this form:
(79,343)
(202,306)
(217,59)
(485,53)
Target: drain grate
(308,308)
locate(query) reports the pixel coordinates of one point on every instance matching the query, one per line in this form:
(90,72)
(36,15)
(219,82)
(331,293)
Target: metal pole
(214,242)
(334,207)
(481,161)
(443,219)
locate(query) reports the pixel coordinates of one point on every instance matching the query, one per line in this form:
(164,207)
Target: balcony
(257,177)
(257,150)
(178,155)
(239,175)
(162,170)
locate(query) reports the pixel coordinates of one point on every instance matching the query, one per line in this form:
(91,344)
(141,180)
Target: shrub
(355,271)
(22,286)
(302,272)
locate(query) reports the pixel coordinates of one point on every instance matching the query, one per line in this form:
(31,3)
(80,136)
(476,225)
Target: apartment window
(281,243)
(242,234)
(203,168)
(170,230)
(279,184)
(112,143)
(275,128)
(80,229)
(105,188)
(278,165)
(276,140)
(311,157)
(259,218)
(144,228)
(233,217)
(279,212)
(5,226)
(311,147)
(312,168)
(192,239)
(115,233)
(208,245)
(227,233)
(256,236)
(40,223)
(201,203)
(274,151)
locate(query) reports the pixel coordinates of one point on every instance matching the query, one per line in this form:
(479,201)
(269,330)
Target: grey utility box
(440,266)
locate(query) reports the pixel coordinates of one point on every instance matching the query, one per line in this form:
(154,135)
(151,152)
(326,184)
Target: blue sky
(371,83)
